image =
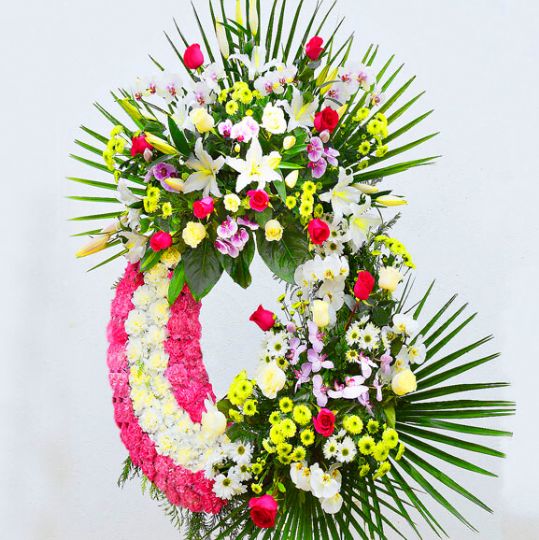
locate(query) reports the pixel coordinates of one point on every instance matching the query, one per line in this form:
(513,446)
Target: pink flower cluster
(190,385)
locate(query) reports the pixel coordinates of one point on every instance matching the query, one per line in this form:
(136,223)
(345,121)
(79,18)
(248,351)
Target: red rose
(263,511)
(203,208)
(160,240)
(364,285)
(193,57)
(264,318)
(314,48)
(258,200)
(139,144)
(326,119)
(324,423)
(318,231)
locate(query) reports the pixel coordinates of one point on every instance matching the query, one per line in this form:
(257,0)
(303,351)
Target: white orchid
(170,86)
(256,64)
(205,177)
(344,198)
(255,167)
(301,113)
(212,75)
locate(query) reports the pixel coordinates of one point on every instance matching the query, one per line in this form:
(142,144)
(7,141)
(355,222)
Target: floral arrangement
(277,142)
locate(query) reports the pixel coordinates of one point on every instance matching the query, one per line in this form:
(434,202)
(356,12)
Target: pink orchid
(320,391)
(318,361)
(303,375)
(315,337)
(225,128)
(331,156)
(385,363)
(378,386)
(315,149)
(227,229)
(318,168)
(352,389)
(295,350)
(365,401)
(366,365)
(248,223)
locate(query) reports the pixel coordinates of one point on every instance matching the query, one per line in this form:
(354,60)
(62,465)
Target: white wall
(471,224)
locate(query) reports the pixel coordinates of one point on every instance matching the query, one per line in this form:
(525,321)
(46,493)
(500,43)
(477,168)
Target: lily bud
(253,17)
(275,160)
(388,200)
(147,155)
(174,183)
(239,15)
(325,136)
(289,142)
(222,39)
(292,179)
(100,242)
(366,188)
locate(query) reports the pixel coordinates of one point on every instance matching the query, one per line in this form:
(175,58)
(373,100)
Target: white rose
(273,119)
(404,382)
(389,278)
(232,202)
(270,379)
(321,313)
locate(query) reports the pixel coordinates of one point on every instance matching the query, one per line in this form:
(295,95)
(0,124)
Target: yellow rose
(274,231)
(270,379)
(202,120)
(171,257)
(404,382)
(273,119)
(389,278)
(289,142)
(193,234)
(320,313)
(232,202)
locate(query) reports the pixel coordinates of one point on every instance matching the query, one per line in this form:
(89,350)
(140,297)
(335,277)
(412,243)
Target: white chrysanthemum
(224,487)
(331,448)
(241,453)
(165,443)
(158,359)
(160,386)
(156,274)
(240,473)
(134,350)
(369,337)
(353,334)
(143,296)
(149,421)
(277,344)
(135,324)
(161,289)
(155,336)
(160,312)
(346,451)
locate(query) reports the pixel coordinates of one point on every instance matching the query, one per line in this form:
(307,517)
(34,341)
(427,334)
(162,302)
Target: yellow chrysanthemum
(302,415)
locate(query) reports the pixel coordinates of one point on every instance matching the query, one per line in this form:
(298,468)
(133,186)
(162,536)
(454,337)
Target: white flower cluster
(324,485)
(231,484)
(175,435)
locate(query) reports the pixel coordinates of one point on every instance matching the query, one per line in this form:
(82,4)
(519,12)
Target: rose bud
(264,318)
(160,240)
(326,119)
(364,285)
(193,57)
(263,511)
(318,231)
(258,200)
(314,48)
(203,208)
(139,145)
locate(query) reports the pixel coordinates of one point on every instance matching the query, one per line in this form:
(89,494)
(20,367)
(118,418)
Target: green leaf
(238,268)
(178,137)
(176,283)
(202,269)
(280,187)
(150,259)
(283,257)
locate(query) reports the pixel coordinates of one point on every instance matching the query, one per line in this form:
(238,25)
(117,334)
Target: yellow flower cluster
(306,208)
(397,248)
(151,201)
(239,93)
(115,145)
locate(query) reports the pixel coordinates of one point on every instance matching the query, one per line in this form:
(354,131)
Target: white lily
(124,194)
(255,167)
(136,244)
(344,198)
(301,113)
(360,225)
(255,64)
(205,177)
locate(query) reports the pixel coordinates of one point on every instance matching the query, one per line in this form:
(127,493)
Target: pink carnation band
(190,385)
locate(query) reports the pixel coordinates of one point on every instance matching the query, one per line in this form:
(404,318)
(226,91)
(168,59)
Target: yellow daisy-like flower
(364,470)
(276,434)
(373,426)
(232,107)
(166,209)
(318,211)
(384,468)
(284,449)
(235,416)
(381,150)
(288,428)
(309,187)
(302,415)
(249,407)
(268,447)
(282,362)
(362,114)
(291,202)
(257,468)
(390,438)
(274,418)
(400,452)
(366,445)
(364,148)
(150,205)
(299,454)
(306,209)
(380,452)
(256,489)
(153,193)
(353,424)
(307,437)
(286,405)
